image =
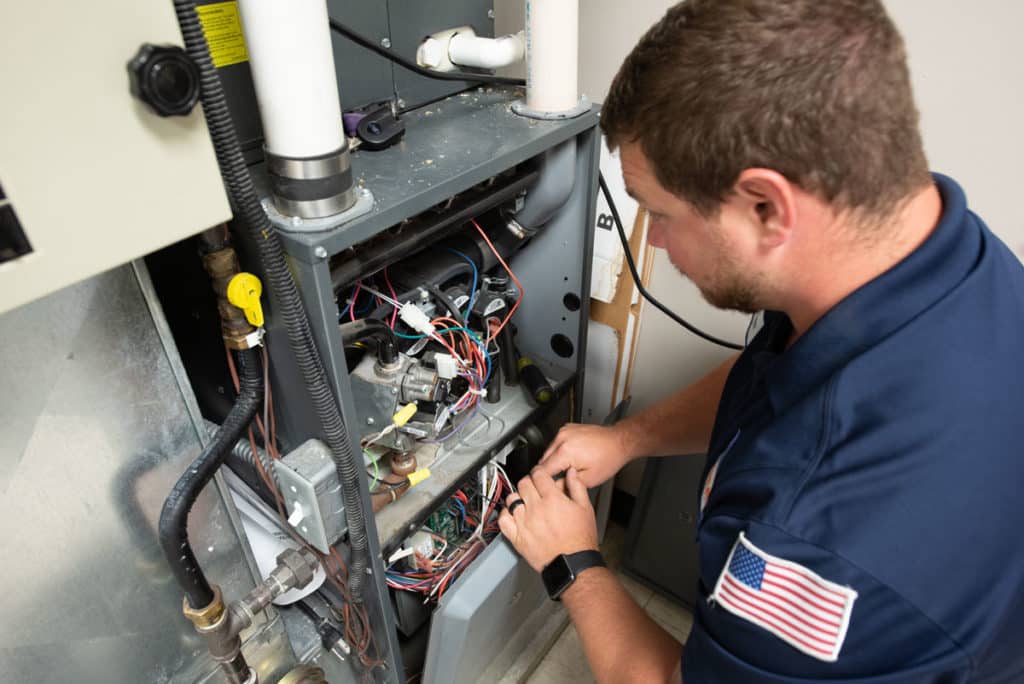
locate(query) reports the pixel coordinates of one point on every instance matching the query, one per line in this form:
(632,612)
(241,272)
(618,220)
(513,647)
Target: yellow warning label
(223,30)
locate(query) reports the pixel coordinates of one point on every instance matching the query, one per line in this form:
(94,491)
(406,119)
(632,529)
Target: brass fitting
(304,674)
(207,617)
(222,265)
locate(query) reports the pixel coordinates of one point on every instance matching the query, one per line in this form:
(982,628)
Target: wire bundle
(473,351)
(356,621)
(459,531)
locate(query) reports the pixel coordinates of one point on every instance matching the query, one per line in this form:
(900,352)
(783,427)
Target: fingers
(528,491)
(577,490)
(514,502)
(557,442)
(558,463)
(508,527)
(545,484)
(552,451)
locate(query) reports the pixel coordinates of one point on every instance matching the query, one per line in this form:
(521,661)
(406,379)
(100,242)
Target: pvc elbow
(455,48)
(470,50)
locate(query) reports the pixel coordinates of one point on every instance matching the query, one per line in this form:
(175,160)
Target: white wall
(968,67)
(968,70)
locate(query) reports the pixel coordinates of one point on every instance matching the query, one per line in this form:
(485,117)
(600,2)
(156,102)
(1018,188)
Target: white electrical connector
(414,317)
(447,368)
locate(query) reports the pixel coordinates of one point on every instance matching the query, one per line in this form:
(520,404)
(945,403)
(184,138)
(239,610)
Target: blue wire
(463,510)
(348,304)
(476,273)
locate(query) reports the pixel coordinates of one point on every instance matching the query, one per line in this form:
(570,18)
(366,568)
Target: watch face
(557,576)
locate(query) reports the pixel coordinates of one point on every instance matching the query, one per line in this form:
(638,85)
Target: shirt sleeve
(887,640)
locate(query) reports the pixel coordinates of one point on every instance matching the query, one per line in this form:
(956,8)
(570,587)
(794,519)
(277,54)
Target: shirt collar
(878,308)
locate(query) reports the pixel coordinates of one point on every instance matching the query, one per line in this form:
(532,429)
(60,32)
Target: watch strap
(581,560)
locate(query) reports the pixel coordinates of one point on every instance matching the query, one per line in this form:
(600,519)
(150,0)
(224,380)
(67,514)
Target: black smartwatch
(560,573)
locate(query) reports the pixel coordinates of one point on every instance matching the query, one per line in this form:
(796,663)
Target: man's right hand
(596,452)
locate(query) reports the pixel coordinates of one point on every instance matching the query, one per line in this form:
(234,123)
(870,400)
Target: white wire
(393,302)
(504,475)
(380,434)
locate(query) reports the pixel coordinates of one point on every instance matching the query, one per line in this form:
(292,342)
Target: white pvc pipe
(469,50)
(552,55)
(292,65)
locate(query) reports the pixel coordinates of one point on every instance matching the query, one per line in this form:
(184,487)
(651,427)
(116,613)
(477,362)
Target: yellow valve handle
(244,291)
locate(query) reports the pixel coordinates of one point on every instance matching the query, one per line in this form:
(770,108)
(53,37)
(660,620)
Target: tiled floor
(565,662)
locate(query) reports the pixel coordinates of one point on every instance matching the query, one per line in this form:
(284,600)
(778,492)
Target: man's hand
(596,452)
(549,522)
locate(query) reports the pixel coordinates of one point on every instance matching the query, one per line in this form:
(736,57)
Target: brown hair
(818,90)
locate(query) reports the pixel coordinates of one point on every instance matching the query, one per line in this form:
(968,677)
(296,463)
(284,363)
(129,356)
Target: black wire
(365,42)
(448,304)
(636,276)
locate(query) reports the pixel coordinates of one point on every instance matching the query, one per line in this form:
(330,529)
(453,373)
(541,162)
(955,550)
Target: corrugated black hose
(250,213)
(174,516)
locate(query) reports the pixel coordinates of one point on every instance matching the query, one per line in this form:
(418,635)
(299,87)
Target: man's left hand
(552,520)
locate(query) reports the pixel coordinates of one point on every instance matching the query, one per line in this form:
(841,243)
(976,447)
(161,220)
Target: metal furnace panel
(96,432)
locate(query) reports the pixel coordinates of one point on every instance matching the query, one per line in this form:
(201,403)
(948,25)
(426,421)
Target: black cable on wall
(639,285)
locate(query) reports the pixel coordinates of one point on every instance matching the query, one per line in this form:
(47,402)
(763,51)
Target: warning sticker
(223,30)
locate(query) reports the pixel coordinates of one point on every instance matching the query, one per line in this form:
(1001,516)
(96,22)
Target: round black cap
(165,78)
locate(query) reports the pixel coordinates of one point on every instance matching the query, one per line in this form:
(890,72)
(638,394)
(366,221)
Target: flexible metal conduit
(288,303)
(173,527)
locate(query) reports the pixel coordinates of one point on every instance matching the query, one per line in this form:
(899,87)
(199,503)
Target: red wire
(501,261)
(355,296)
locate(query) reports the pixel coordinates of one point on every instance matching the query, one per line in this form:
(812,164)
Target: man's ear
(769,199)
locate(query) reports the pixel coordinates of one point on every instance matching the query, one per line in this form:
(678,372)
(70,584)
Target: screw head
(385,43)
(369,421)
(320,253)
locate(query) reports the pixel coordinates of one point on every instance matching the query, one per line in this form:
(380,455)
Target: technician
(862,505)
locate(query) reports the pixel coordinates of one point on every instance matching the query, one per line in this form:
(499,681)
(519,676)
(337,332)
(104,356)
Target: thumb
(577,490)
(555,463)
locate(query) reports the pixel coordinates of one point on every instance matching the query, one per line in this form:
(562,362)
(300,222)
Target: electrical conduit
(173,528)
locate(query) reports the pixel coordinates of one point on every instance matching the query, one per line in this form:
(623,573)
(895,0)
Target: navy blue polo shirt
(883,455)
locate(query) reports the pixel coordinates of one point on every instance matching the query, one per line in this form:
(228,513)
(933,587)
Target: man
(861,512)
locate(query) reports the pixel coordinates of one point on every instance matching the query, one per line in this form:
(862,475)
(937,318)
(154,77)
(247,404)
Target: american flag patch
(795,604)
